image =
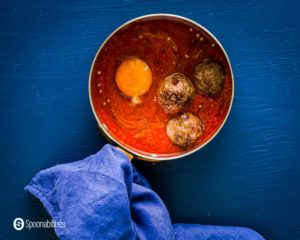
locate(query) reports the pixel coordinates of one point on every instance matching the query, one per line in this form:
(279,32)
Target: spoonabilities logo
(18,224)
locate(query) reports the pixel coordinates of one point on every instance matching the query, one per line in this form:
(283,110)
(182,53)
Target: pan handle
(129,155)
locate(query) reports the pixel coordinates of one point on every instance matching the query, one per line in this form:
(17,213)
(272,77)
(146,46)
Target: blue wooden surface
(248,175)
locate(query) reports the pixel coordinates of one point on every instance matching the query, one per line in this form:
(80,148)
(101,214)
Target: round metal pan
(147,156)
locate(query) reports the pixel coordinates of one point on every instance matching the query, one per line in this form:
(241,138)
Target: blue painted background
(248,175)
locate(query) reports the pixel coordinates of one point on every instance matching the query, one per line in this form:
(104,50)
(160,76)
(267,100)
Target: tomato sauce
(167,46)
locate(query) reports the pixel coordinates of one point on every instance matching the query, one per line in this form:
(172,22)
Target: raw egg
(133,78)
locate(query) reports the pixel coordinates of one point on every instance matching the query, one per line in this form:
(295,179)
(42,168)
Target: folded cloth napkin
(105,197)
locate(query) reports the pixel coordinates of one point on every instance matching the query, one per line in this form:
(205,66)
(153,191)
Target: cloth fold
(105,197)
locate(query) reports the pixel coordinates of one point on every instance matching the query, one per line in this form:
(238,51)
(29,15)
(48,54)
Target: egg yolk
(133,77)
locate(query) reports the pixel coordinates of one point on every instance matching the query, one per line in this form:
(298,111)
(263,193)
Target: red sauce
(167,47)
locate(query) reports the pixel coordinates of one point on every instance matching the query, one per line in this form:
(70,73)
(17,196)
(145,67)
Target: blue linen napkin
(105,197)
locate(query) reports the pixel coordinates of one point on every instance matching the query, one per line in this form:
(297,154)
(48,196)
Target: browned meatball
(175,93)
(209,77)
(184,129)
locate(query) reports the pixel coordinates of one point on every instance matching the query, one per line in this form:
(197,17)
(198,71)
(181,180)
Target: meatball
(209,77)
(175,93)
(184,129)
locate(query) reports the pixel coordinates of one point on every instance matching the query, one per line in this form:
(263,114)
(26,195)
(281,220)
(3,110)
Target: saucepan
(161,87)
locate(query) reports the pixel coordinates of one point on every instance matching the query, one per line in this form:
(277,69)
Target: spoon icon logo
(18,224)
